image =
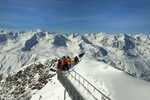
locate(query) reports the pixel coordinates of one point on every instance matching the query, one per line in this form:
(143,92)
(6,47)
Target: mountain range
(111,62)
(130,53)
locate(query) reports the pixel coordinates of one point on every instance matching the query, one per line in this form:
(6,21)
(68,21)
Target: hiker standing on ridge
(69,61)
(66,64)
(63,63)
(76,60)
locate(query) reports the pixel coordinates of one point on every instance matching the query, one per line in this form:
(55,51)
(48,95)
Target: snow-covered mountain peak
(37,30)
(122,51)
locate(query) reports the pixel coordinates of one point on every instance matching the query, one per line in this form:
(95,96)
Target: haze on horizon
(77,16)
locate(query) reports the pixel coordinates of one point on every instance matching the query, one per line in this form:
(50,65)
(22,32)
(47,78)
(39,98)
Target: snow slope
(112,82)
(115,83)
(52,91)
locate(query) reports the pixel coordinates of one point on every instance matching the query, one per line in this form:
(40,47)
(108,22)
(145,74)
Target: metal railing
(91,89)
(89,92)
(69,87)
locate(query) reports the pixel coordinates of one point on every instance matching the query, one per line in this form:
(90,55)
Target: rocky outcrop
(22,84)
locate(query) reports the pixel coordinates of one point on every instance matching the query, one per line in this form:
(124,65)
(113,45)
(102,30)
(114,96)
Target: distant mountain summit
(130,53)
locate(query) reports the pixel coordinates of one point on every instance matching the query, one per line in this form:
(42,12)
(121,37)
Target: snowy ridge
(130,53)
(112,82)
(37,81)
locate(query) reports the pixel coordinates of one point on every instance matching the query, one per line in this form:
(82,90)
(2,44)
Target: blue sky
(77,16)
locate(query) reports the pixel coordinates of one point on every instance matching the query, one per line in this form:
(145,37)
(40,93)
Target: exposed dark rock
(17,85)
(30,43)
(60,40)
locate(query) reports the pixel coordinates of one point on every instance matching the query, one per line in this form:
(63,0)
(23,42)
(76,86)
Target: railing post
(83,81)
(75,75)
(103,98)
(64,94)
(87,86)
(93,90)
(79,80)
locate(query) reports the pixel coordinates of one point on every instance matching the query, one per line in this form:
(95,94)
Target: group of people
(65,63)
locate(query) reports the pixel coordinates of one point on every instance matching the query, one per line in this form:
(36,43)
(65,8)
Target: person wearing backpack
(69,61)
(64,63)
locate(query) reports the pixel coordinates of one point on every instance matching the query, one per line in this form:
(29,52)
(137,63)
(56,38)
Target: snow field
(112,82)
